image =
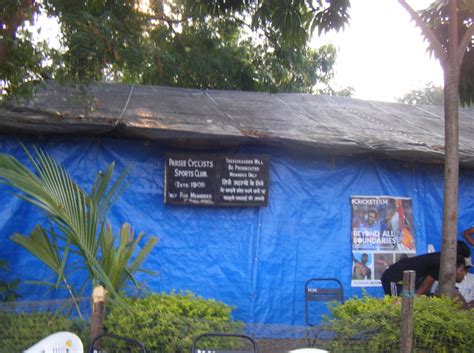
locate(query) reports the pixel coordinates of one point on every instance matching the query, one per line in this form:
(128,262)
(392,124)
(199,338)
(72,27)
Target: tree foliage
(20,59)
(293,20)
(256,45)
(96,34)
(213,54)
(430,95)
(437,18)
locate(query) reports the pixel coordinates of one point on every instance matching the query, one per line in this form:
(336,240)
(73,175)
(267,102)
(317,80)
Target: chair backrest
(59,342)
(308,350)
(132,341)
(321,289)
(243,337)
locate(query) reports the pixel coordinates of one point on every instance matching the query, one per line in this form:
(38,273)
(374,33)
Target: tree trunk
(447,276)
(98,311)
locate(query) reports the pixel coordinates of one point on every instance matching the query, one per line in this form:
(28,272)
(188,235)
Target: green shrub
(20,331)
(373,325)
(8,289)
(168,322)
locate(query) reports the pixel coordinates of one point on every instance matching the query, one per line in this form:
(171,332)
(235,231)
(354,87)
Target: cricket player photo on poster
(382,233)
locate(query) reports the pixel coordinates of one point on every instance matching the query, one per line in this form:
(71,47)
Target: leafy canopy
(293,20)
(250,45)
(436,17)
(430,95)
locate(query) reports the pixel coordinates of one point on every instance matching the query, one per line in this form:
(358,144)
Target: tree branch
(168,20)
(428,33)
(10,26)
(464,43)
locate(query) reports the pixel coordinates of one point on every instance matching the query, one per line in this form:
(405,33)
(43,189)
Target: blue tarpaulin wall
(255,259)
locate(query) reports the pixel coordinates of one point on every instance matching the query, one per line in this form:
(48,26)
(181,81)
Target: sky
(381,53)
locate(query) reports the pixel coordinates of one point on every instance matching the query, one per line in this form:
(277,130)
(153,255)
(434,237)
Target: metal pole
(406,326)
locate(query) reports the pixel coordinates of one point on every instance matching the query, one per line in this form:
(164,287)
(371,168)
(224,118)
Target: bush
(373,325)
(167,322)
(20,331)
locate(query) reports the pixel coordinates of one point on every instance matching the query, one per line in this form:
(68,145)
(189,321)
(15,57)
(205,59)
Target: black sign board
(216,180)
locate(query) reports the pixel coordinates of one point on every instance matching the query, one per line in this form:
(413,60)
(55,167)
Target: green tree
(19,58)
(448,27)
(330,91)
(430,94)
(250,45)
(436,16)
(293,20)
(79,227)
(213,53)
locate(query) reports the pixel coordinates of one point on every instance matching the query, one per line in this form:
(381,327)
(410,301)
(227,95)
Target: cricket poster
(382,232)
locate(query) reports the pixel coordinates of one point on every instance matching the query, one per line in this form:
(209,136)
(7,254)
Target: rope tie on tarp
(224,113)
(125,106)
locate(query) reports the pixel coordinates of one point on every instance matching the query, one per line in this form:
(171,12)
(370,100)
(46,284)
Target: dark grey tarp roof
(200,118)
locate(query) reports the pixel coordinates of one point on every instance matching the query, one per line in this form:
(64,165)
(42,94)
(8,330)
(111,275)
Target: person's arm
(425,285)
(467,234)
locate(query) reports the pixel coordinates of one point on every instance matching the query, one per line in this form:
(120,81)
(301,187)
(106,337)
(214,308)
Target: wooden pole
(406,326)
(98,309)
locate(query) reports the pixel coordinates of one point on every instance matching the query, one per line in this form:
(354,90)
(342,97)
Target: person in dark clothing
(463,249)
(427,271)
(426,267)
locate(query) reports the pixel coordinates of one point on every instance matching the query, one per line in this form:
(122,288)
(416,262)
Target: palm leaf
(118,263)
(80,221)
(143,254)
(105,195)
(40,245)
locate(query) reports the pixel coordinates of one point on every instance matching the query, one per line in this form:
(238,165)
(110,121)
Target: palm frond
(105,194)
(41,246)
(120,263)
(143,254)
(78,222)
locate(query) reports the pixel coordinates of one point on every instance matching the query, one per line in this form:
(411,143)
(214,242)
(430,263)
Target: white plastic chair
(244,338)
(308,350)
(59,342)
